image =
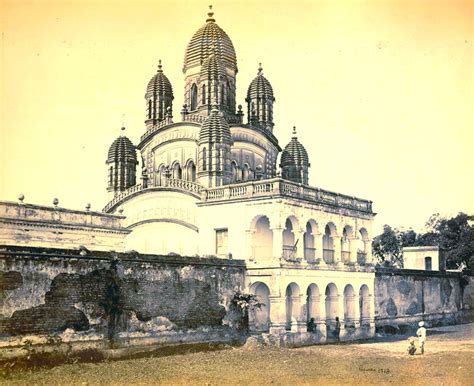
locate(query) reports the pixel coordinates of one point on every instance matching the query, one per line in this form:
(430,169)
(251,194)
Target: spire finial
(210,14)
(294,131)
(122,129)
(159,66)
(260,69)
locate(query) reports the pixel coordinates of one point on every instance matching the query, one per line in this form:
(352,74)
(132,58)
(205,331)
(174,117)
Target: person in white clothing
(421,334)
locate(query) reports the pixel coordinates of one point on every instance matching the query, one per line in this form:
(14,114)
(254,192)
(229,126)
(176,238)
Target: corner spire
(210,15)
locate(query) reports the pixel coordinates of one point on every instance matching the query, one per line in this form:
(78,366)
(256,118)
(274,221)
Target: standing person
(311,325)
(421,334)
(337,328)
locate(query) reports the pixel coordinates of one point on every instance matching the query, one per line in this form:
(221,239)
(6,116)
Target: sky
(381,92)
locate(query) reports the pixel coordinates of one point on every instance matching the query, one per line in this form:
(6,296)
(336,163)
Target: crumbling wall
(404,297)
(112,296)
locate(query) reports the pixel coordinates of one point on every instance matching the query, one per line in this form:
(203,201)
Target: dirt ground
(448,360)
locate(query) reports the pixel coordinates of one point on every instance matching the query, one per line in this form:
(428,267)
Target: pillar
(357,311)
(248,247)
(372,314)
(318,244)
(322,317)
(277,314)
(336,240)
(368,250)
(340,310)
(353,249)
(277,242)
(299,235)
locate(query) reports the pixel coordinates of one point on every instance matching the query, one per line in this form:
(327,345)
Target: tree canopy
(454,236)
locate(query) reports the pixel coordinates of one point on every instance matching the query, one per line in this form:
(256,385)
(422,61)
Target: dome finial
(260,69)
(159,66)
(210,14)
(294,131)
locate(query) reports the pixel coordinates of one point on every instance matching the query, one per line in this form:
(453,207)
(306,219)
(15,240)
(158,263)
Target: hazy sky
(381,92)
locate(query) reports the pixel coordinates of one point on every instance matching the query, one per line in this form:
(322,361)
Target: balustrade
(328,256)
(289,252)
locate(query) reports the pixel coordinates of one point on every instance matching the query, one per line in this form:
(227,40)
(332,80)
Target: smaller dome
(294,153)
(212,68)
(122,149)
(215,129)
(159,84)
(260,87)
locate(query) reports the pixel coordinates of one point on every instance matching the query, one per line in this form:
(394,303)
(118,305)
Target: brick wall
(46,291)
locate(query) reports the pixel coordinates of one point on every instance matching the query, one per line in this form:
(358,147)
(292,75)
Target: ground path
(449,360)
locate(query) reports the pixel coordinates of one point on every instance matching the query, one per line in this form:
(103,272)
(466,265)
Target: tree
(387,247)
(454,236)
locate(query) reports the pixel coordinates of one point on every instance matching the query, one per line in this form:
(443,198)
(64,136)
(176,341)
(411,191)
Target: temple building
(216,182)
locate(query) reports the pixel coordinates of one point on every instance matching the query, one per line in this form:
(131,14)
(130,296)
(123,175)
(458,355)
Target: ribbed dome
(294,154)
(215,129)
(260,88)
(159,85)
(212,68)
(122,149)
(210,36)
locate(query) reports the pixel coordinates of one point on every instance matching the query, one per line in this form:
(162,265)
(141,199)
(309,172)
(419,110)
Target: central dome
(208,39)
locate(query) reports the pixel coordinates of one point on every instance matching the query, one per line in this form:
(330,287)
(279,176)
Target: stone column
(368,250)
(277,315)
(318,244)
(340,310)
(322,317)
(353,249)
(299,235)
(336,240)
(277,242)
(356,311)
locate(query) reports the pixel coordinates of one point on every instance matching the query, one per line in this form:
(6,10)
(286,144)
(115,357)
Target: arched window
(204,164)
(203,94)
(235,171)
(222,94)
(229,94)
(428,264)
(245,172)
(194,97)
(216,90)
(111,176)
(191,171)
(177,174)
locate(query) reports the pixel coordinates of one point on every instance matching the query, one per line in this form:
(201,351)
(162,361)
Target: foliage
(454,236)
(244,304)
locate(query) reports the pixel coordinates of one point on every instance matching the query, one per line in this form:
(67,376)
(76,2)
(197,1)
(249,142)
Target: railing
(328,256)
(361,258)
(289,252)
(345,256)
(280,187)
(183,185)
(156,127)
(309,253)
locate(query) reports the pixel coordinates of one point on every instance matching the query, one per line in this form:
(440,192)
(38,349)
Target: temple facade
(216,182)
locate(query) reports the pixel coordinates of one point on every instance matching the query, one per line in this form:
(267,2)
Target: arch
(176,171)
(235,171)
(246,172)
(229,94)
(331,300)
(312,302)
(292,302)
(259,318)
(203,94)
(190,171)
(308,240)
(328,242)
(194,97)
(161,176)
(349,305)
(347,233)
(428,263)
(364,305)
(289,245)
(363,244)
(262,238)
(222,94)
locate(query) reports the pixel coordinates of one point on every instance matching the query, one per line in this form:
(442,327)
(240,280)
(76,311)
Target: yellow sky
(381,92)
